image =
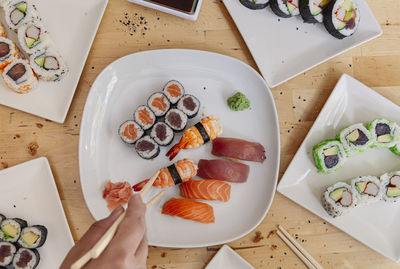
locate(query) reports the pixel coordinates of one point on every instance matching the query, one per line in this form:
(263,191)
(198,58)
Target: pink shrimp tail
(173,152)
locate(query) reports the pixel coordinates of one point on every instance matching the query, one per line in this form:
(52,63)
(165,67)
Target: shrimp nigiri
(207,129)
(177,173)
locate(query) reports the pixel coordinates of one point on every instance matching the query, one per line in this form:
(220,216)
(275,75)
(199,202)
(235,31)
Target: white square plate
(28,191)
(73,30)
(228,258)
(284,48)
(374,225)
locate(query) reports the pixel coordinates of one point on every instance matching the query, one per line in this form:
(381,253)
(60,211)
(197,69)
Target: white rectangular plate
(284,48)
(374,225)
(228,258)
(28,191)
(73,25)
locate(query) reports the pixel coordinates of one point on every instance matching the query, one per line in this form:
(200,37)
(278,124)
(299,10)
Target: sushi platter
(116,161)
(362,181)
(270,33)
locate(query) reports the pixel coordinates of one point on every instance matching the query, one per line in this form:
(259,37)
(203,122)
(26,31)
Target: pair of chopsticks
(97,249)
(308,260)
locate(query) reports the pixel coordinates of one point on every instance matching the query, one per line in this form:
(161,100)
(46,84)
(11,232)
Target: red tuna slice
(239,149)
(223,170)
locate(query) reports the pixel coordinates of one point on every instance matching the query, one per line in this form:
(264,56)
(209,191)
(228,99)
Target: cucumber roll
(162,134)
(130,132)
(285,8)
(18,12)
(396,149)
(48,64)
(8,52)
(329,155)
(367,189)
(176,119)
(11,229)
(147,148)
(342,18)
(145,117)
(174,91)
(7,252)
(355,138)
(391,187)
(19,76)
(33,236)
(33,37)
(26,259)
(254,4)
(159,104)
(190,105)
(312,10)
(385,134)
(339,199)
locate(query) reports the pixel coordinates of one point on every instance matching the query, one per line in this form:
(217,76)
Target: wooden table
(377,64)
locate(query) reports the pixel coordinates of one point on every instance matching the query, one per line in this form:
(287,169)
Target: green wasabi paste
(238,102)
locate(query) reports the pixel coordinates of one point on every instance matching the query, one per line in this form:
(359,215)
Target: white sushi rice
(122,128)
(394,132)
(169,134)
(43,42)
(385,181)
(158,112)
(147,154)
(342,156)
(335,209)
(31,13)
(31,264)
(48,73)
(13,223)
(7,260)
(181,105)
(183,117)
(349,146)
(337,8)
(364,198)
(34,230)
(24,84)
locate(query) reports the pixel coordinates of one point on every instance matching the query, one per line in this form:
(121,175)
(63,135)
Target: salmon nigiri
(177,173)
(206,190)
(189,209)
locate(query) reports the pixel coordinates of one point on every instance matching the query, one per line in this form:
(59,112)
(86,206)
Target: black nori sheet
(250,4)
(174,174)
(304,7)
(329,23)
(43,238)
(199,126)
(275,8)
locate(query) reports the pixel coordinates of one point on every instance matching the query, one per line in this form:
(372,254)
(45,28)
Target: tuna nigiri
(206,190)
(189,209)
(177,173)
(117,194)
(238,149)
(223,170)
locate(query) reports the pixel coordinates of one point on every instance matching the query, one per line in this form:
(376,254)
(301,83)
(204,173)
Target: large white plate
(28,191)
(284,48)
(73,25)
(374,225)
(228,258)
(127,83)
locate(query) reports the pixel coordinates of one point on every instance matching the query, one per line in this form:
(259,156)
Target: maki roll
(174,91)
(18,12)
(176,119)
(3,31)
(190,105)
(26,259)
(33,236)
(396,149)
(367,189)
(391,187)
(11,229)
(339,199)
(130,132)
(19,76)
(342,18)
(145,117)
(33,37)
(7,252)
(355,138)
(8,52)
(159,104)
(162,134)
(254,4)
(385,134)
(312,10)
(329,155)
(48,65)
(285,8)
(147,148)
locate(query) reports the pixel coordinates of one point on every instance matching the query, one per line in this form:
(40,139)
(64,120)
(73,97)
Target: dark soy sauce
(188,6)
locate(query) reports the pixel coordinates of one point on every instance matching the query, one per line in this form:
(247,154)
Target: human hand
(128,248)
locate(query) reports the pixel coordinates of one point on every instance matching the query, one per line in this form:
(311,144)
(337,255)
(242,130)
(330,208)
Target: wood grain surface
(127,28)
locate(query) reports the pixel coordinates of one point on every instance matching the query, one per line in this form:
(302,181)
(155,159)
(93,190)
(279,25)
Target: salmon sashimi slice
(213,190)
(223,170)
(117,194)
(238,149)
(174,90)
(189,209)
(159,102)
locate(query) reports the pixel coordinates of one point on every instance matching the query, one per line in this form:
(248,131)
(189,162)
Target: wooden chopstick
(298,249)
(97,249)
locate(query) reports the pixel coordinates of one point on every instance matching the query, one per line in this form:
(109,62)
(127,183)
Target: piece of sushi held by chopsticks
(254,4)
(285,8)
(18,13)
(174,174)
(329,155)
(391,187)
(339,199)
(341,18)
(312,10)
(207,129)
(19,76)
(238,149)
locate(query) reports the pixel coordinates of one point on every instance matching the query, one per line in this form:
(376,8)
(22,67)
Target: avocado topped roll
(329,155)
(11,229)
(312,10)
(285,8)
(367,189)
(18,12)
(33,236)
(391,187)
(33,37)
(355,138)
(339,199)
(385,134)
(342,18)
